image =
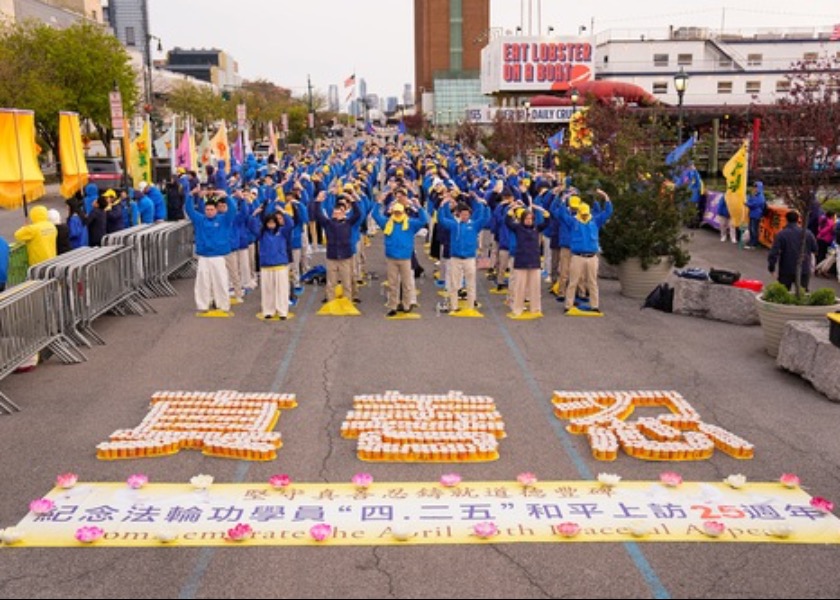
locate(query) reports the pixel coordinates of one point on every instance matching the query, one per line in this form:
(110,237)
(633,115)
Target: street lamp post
(680,84)
(574,96)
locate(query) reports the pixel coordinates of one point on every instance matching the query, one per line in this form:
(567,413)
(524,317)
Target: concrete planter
(774,316)
(637,282)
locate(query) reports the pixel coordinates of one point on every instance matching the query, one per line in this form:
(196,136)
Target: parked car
(105,172)
(262,150)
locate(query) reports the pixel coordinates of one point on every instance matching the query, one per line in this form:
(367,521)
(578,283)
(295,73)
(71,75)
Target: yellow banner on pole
(141,157)
(580,135)
(220,145)
(20,173)
(425,513)
(71,151)
(735,172)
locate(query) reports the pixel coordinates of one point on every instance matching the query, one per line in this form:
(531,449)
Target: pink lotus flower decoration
(362,480)
(278,482)
(450,479)
(789,480)
(485,529)
(713,528)
(320,532)
(66,480)
(136,481)
(567,529)
(670,479)
(526,479)
(42,506)
(88,535)
(822,504)
(239,532)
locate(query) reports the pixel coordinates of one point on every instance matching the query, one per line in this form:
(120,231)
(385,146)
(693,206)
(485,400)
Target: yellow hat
(584,209)
(574,202)
(397,207)
(348,187)
(110,194)
(181,170)
(526,181)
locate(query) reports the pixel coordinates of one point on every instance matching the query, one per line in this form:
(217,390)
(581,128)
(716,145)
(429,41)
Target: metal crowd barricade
(93,281)
(161,251)
(31,321)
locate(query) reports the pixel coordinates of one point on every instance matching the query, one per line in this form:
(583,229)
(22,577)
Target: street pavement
(721,369)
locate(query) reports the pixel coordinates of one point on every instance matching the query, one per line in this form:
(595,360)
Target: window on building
(754,60)
(685,60)
(129,37)
(753,87)
(660,60)
(783,86)
(607,58)
(660,87)
(809,57)
(724,87)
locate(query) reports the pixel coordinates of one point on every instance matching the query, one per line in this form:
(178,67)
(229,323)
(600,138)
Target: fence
(160,251)
(93,281)
(31,322)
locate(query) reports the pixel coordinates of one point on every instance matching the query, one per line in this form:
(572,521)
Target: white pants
(211,283)
(461,269)
(246,274)
(294,267)
(234,273)
(274,290)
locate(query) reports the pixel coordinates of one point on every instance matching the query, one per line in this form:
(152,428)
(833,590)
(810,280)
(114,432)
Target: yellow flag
(71,151)
(220,145)
(735,172)
(141,157)
(20,172)
(580,135)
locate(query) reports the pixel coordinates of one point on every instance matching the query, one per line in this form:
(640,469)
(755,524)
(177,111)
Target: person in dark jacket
(96,222)
(527,230)
(174,200)
(339,230)
(785,252)
(62,241)
(114,217)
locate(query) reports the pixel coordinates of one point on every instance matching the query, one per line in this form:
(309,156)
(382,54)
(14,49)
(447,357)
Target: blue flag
(556,140)
(369,128)
(677,152)
(401,128)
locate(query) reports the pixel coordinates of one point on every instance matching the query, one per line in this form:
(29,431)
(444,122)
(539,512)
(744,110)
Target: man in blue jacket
(212,244)
(399,231)
(584,245)
(756,203)
(785,252)
(339,243)
(464,229)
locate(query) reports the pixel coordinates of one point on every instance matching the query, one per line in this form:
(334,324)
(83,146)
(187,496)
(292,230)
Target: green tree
(48,70)
(201,103)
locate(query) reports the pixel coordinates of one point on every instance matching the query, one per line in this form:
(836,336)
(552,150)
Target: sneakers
(391,313)
(283,317)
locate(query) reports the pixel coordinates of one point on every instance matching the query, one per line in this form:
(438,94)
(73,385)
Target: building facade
(332,98)
(59,13)
(130,21)
(448,38)
(211,65)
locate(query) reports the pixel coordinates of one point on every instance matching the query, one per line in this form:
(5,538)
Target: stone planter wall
(775,316)
(806,350)
(715,301)
(637,282)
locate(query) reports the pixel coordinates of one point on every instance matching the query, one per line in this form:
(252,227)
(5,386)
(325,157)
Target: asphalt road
(720,368)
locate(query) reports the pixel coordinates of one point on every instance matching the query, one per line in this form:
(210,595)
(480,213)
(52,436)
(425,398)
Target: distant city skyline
(374,39)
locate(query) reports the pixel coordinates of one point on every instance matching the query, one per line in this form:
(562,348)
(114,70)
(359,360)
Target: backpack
(661,298)
(693,273)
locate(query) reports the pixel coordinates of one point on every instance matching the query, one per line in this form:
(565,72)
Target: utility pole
(311,116)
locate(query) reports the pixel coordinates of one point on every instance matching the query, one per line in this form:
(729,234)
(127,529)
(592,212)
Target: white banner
(533,114)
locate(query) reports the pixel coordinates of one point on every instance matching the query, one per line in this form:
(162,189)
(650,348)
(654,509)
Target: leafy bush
(822,297)
(776,293)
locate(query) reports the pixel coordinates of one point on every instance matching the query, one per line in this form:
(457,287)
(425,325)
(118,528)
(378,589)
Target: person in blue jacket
(756,203)
(159,202)
(145,205)
(527,229)
(91,194)
(584,244)
(464,228)
(338,228)
(76,223)
(4,263)
(399,230)
(212,244)
(274,237)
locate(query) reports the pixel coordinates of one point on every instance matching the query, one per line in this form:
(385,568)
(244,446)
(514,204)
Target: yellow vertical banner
(141,157)
(735,172)
(580,136)
(220,145)
(20,173)
(71,152)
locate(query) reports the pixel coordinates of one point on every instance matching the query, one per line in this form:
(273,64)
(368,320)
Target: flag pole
(20,163)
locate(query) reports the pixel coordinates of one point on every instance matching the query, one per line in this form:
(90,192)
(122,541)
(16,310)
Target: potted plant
(799,142)
(644,238)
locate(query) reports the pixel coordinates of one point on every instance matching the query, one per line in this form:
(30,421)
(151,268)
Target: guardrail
(31,321)
(93,281)
(160,251)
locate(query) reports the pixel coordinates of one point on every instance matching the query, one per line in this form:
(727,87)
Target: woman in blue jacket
(526,259)
(274,237)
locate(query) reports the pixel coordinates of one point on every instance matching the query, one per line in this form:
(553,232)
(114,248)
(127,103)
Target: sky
(285,41)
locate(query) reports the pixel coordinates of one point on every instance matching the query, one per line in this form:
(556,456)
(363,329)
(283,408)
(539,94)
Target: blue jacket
(274,245)
(4,262)
(584,236)
(78,232)
(301,219)
(212,236)
(786,247)
(463,237)
(159,202)
(146,208)
(91,194)
(400,244)
(339,233)
(528,242)
(756,202)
